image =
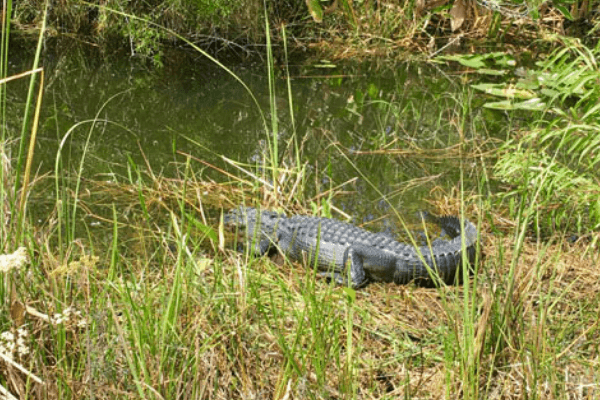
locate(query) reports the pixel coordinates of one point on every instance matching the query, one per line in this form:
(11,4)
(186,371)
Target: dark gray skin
(330,245)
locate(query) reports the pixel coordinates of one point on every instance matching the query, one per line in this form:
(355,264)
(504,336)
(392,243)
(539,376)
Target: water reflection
(342,119)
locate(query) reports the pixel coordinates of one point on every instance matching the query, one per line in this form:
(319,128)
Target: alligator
(331,245)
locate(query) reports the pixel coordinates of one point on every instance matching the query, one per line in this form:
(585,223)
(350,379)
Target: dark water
(344,117)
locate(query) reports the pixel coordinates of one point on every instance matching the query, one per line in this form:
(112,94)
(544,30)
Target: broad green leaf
(564,11)
(207,230)
(475,62)
(500,105)
(549,92)
(315,10)
(351,293)
(494,55)
(535,104)
(529,105)
(471,61)
(505,61)
(495,72)
(528,83)
(501,90)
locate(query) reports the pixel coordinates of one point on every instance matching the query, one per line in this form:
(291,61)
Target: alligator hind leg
(357,272)
(353,264)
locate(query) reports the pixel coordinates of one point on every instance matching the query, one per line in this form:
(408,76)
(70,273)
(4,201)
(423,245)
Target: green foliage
(216,8)
(483,63)
(145,39)
(559,191)
(138,22)
(315,10)
(557,164)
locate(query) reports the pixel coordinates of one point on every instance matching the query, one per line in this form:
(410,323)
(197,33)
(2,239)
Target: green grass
(159,305)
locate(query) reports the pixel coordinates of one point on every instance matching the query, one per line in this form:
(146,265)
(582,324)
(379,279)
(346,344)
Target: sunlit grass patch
(547,345)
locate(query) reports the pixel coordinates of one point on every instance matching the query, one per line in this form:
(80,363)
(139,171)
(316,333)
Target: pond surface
(389,131)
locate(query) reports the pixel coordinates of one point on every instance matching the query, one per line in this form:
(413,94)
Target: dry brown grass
(394,29)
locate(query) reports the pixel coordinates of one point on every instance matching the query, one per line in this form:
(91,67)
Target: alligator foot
(342,280)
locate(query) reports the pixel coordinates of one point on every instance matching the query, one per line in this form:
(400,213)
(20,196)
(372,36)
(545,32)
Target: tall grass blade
(273,141)
(29,99)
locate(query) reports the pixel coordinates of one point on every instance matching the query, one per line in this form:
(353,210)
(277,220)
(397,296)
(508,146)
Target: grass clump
(555,165)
